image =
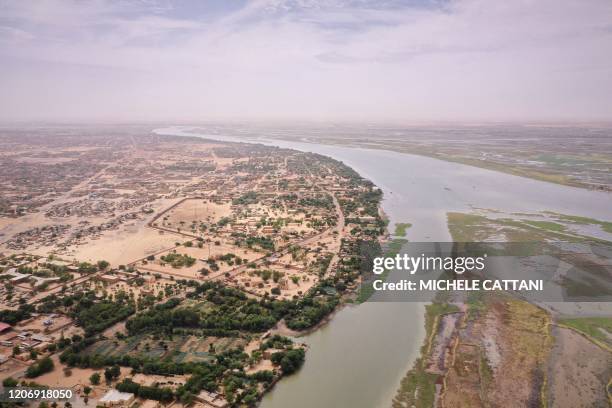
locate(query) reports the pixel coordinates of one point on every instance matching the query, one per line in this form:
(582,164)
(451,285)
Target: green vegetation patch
(475,305)
(250,197)
(598,328)
(367,289)
(547,225)
(472,228)
(605,225)
(467,227)
(310,311)
(178,260)
(418,388)
(432,313)
(45,365)
(400,228)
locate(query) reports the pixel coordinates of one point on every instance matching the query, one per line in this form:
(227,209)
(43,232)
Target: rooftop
(114,395)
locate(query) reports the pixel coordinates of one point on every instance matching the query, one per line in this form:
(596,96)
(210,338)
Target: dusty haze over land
(306,59)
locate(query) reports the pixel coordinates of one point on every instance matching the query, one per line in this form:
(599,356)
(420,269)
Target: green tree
(45,365)
(9,382)
(94,379)
(187,399)
(115,371)
(108,375)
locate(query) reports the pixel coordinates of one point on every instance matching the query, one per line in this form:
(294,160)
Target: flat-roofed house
(109,278)
(115,398)
(212,399)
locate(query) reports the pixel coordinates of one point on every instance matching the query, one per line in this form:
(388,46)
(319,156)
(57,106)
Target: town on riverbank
(169,270)
(183,271)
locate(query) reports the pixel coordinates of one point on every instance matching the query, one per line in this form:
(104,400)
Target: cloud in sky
(306,59)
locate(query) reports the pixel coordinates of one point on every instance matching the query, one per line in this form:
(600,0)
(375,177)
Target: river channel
(359,358)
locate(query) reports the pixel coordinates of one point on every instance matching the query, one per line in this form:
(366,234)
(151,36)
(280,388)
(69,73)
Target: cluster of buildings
(40,236)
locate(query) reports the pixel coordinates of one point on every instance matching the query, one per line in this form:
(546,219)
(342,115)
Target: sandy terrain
(462,381)
(578,371)
(12,368)
(36,325)
(192,210)
(4,222)
(57,377)
(255,283)
(77,379)
(146,289)
(200,254)
(125,246)
(261,366)
(446,328)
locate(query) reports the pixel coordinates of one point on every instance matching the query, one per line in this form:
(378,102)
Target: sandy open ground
(200,254)
(122,247)
(191,210)
(578,371)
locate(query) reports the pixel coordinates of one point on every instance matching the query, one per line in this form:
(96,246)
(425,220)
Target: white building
(114,398)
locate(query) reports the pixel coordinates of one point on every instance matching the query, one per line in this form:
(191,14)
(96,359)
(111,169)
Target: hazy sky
(306,59)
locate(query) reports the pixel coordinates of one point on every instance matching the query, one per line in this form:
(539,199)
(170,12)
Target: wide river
(359,358)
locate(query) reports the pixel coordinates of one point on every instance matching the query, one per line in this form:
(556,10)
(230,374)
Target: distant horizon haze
(349,61)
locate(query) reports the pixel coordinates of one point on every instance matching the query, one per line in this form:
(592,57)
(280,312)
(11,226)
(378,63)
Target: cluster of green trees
(319,201)
(228,309)
(231,258)
(227,369)
(12,317)
(163,318)
(178,260)
(231,309)
(53,303)
(212,264)
(344,171)
(162,394)
(358,259)
(247,198)
(60,271)
(266,274)
(310,310)
(10,382)
(224,221)
(27,270)
(265,243)
(96,315)
(289,360)
(86,268)
(321,264)
(240,390)
(47,270)
(74,356)
(276,342)
(44,365)
(112,373)
(90,312)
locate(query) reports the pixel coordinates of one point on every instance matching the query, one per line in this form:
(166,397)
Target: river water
(359,358)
